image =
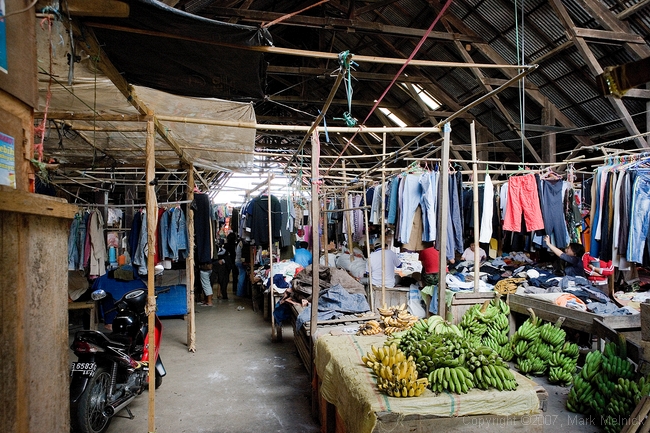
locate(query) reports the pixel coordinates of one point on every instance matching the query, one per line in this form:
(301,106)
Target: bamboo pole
(477,225)
(274,335)
(444,210)
(315,277)
(312,54)
(189,264)
(152,220)
(383,229)
(350,215)
(299,128)
(371,295)
(325,236)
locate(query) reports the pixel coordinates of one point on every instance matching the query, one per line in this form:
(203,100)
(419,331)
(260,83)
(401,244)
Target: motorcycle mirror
(98,294)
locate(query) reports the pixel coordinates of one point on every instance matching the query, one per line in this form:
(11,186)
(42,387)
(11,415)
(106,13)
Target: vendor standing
(387,270)
(572,257)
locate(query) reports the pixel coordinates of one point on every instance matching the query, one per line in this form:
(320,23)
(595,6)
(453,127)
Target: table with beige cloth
(351,387)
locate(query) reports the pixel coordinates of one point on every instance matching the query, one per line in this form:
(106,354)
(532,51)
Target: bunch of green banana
(438,325)
(529,330)
(487,324)
(453,379)
(579,396)
(562,364)
(616,367)
(489,370)
(533,366)
(495,375)
(437,351)
(593,363)
(624,398)
(561,368)
(552,335)
(501,305)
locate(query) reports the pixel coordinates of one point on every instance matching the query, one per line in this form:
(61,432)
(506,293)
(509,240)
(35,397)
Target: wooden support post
(371,295)
(349,214)
(274,335)
(315,277)
(477,223)
(444,209)
(548,139)
(189,264)
(152,221)
(324,237)
(383,228)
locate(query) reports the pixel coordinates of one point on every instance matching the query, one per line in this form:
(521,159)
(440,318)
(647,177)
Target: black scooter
(112,370)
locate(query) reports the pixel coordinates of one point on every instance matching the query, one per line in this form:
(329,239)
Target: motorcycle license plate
(83,368)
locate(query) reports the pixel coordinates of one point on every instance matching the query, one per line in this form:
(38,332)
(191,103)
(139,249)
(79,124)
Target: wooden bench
(90,305)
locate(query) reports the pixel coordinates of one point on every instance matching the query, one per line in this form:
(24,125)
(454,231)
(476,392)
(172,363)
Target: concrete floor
(239,381)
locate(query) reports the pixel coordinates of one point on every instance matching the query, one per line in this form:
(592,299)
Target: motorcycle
(112,370)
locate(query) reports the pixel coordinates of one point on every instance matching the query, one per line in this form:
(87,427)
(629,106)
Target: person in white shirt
(468,254)
(375,265)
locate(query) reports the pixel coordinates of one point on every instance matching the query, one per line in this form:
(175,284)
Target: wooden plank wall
(34,392)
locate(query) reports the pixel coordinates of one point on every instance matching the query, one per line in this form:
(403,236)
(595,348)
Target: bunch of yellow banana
(400,380)
(369,328)
(403,387)
(397,318)
(392,310)
(384,355)
(396,374)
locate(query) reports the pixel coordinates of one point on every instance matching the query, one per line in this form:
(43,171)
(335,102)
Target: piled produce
(605,387)
(540,348)
(371,327)
(396,318)
(396,374)
(531,357)
(488,324)
(489,370)
(450,361)
(562,365)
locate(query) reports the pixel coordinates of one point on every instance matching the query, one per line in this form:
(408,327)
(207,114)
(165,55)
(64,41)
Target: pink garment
(523,197)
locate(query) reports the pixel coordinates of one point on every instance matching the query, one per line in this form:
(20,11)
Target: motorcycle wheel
(89,417)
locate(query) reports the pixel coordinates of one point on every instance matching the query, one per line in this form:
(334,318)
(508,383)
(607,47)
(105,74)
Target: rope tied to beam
(346,63)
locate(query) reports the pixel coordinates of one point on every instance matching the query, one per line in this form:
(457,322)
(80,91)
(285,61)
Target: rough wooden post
(189,264)
(152,221)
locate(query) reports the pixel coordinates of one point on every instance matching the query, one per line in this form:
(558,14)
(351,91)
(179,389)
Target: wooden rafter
(594,66)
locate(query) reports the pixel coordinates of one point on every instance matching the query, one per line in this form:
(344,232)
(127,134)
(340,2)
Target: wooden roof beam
(595,67)
(496,101)
(329,23)
(494,56)
(88,40)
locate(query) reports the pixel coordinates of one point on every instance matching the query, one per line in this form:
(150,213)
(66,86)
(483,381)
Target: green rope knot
(350,121)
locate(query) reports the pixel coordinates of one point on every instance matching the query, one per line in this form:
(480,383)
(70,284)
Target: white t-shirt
(468,255)
(392,262)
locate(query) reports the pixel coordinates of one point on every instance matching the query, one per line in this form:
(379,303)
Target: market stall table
(574,319)
(350,401)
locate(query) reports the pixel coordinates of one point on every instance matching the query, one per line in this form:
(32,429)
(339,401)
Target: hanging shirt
(375,265)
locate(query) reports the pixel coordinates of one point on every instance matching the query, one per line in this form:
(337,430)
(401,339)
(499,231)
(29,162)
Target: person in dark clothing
(221,272)
(231,250)
(572,257)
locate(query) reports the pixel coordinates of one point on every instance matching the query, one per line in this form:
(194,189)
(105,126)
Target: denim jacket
(177,237)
